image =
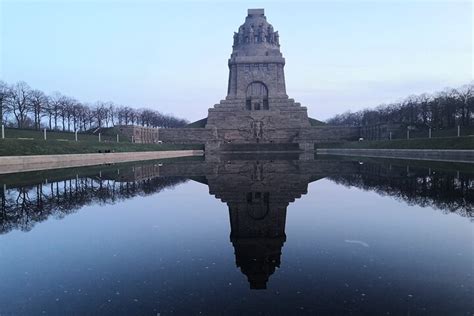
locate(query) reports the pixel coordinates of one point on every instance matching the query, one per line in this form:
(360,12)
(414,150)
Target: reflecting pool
(239,235)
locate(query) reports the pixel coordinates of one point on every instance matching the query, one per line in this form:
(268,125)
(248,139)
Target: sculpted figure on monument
(263,34)
(236,39)
(270,34)
(241,35)
(251,34)
(257,172)
(257,128)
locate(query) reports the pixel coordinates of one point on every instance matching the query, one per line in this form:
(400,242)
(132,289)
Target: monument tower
(257,114)
(257,109)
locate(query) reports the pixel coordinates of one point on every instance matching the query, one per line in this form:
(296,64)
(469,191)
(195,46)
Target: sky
(172,55)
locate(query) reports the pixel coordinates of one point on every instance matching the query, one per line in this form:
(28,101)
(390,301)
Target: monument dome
(256,37)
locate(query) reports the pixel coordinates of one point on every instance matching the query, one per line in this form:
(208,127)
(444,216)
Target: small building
(140,134)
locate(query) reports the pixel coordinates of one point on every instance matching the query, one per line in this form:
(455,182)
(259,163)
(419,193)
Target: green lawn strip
(315,122)
(15,147)
(198,124)
(108,134)
(464,142)
(401,133)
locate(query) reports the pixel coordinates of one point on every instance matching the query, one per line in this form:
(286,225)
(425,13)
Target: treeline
(440,110)
(24,107)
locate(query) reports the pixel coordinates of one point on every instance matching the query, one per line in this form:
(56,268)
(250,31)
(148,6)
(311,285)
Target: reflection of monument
(257,198)
(257,193)
(257,210)
(257,234)
(257,189)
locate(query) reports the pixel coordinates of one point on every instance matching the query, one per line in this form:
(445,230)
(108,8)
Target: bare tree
(19,101)
(54,109)
(112,113)
(100,113)
(465,95)
(441,110)
(66,108)
(38,102)
(5,95)
(62,112)
(77,110)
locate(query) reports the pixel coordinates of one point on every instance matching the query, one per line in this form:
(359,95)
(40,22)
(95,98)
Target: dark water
(239,236)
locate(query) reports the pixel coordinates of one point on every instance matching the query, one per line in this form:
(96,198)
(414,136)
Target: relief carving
(257,127)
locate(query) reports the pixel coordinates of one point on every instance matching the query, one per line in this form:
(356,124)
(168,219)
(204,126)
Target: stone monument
(257,113)
(257,108)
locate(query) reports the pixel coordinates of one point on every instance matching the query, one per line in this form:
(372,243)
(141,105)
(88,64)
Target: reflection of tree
(450,192)
(23,207)
(257,193)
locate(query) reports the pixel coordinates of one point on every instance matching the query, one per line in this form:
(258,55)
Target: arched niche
(257,96)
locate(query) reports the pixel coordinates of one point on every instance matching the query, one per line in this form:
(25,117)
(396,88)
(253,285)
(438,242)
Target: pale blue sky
(172,56)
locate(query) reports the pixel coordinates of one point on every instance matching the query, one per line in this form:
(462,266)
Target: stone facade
(187,135)
(140,134)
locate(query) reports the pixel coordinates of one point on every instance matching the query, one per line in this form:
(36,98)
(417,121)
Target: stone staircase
(260,147)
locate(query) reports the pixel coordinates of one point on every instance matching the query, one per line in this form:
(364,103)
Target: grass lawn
(31,142)
(435,133)
(14,147)
(463,142)
(315,122)
(198,124)
(107,134)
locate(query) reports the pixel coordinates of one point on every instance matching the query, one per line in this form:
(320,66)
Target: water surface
(239,235)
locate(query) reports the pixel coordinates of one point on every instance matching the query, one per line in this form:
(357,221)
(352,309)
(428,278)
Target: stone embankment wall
(421,154)
(213,138)
(277,132)
(186,135)
(11,164)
